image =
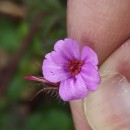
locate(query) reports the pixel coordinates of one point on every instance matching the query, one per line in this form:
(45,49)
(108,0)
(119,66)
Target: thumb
(109,107)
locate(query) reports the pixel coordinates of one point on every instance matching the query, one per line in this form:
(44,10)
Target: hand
(103,25)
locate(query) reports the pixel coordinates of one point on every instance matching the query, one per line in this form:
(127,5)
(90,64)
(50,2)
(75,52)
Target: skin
(104,25)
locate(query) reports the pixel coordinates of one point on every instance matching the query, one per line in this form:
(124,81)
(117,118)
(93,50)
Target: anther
(75,66)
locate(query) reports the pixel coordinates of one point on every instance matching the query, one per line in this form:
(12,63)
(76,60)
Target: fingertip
(108,107)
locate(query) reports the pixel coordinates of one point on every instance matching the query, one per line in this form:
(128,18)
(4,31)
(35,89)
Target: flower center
(75,66)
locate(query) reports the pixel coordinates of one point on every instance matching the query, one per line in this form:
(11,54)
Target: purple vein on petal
(65,50)
(73,88)
(53,72)
(90,76)
(89,56)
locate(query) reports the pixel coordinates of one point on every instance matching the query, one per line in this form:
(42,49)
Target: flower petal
(73,88)
(69,46)
(89,56)
(54,73)
(59,58)
(92,87)
(48,56)
(58,45)
(67,50)
(90,76)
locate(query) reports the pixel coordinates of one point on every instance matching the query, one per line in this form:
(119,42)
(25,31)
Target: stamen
(75,66)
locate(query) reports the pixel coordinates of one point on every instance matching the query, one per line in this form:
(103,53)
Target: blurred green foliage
(17,111)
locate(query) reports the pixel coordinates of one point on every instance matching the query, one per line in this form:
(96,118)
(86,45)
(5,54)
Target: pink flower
(76,71)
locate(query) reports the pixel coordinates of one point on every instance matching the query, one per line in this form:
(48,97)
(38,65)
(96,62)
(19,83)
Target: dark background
(28,30)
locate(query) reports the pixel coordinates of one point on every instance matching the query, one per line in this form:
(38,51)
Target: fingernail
(109,107)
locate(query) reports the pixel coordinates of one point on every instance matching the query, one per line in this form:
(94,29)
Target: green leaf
(16,87)
(8,35)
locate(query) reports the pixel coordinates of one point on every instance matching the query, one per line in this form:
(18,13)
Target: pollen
(75,66)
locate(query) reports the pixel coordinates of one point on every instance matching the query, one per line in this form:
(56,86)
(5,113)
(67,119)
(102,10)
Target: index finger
(104,26)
